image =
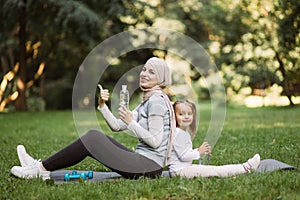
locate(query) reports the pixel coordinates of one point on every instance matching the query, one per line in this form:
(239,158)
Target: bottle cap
(124,87)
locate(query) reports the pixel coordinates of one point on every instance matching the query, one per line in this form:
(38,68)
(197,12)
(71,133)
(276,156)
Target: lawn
(273,132)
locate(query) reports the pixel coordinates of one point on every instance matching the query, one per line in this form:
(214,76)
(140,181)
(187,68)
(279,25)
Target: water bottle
(205,157)
(124,96)
(204,160)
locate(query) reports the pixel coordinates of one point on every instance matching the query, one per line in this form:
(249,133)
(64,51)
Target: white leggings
(210,171)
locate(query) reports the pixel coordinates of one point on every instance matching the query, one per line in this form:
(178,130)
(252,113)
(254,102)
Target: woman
(152,122)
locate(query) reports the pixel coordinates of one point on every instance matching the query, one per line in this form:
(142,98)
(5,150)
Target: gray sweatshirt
(151,125)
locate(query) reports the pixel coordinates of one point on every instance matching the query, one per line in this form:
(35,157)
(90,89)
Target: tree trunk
(285,84)
(21,103)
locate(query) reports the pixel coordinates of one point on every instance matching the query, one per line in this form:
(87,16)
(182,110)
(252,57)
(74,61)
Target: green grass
(272,132)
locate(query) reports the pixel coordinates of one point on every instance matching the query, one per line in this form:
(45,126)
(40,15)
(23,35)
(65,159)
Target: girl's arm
(204,148)
(182,145)
(190,156)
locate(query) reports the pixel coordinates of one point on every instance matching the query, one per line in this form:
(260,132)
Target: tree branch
(7,78)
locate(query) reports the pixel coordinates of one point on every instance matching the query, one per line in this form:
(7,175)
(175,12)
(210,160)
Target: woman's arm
(114,123)
(155,112)
(154,136)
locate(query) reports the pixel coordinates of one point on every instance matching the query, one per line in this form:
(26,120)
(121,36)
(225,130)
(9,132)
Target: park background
(255,45)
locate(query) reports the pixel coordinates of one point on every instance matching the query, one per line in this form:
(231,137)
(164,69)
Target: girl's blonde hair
(193,126)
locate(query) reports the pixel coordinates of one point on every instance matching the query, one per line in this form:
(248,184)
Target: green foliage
(273,132)
(260,79)
(247,37)
(36,104)
(265,42)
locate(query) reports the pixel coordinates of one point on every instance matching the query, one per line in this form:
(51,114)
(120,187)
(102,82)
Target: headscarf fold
(163,77)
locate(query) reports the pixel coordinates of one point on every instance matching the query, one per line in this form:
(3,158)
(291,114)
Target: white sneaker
(30,172)
(252,164)
(24,157)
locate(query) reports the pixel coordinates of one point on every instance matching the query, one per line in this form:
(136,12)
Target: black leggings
(107,151)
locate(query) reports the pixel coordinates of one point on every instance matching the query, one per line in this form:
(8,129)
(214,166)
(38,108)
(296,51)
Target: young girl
(183,154)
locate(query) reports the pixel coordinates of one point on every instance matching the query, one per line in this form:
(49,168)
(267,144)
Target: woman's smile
(148,78)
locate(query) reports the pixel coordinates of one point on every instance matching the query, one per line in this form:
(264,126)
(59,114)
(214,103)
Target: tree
(258,36)
(287,16)
(255,43)
(257,40)
(59,34)
(33,31)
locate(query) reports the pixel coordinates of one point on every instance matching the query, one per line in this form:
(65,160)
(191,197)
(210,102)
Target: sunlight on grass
(259,101)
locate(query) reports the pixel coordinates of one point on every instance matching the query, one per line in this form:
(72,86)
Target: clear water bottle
(124,96)
(204,160)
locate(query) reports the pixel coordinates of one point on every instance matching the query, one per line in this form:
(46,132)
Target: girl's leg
(107,151)
(220,171)
(211,171)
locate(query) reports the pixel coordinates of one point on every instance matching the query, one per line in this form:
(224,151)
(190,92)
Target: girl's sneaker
(252,164)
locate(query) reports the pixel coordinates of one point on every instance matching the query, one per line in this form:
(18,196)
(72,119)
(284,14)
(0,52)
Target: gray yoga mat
(267,165)
(58,176)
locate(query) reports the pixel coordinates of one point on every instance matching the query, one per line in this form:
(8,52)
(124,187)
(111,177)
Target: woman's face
(148,77)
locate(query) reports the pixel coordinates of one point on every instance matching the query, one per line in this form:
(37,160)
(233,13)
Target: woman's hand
(103,96)
(204,148)
(125,114)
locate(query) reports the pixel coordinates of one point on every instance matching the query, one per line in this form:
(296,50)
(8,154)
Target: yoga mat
(267,165)
(58,176)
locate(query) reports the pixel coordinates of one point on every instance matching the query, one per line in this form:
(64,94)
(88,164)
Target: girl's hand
(125,114)
(103,96)
(204,148)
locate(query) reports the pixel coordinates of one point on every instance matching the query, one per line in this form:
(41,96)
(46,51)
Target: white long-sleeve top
(151,125)
(182,154)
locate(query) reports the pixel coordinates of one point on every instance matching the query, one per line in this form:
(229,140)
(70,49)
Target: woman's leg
(119,158)
(68,156)
(107,151)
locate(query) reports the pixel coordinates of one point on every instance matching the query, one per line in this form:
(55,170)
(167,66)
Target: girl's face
(148,77)
(184,115)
